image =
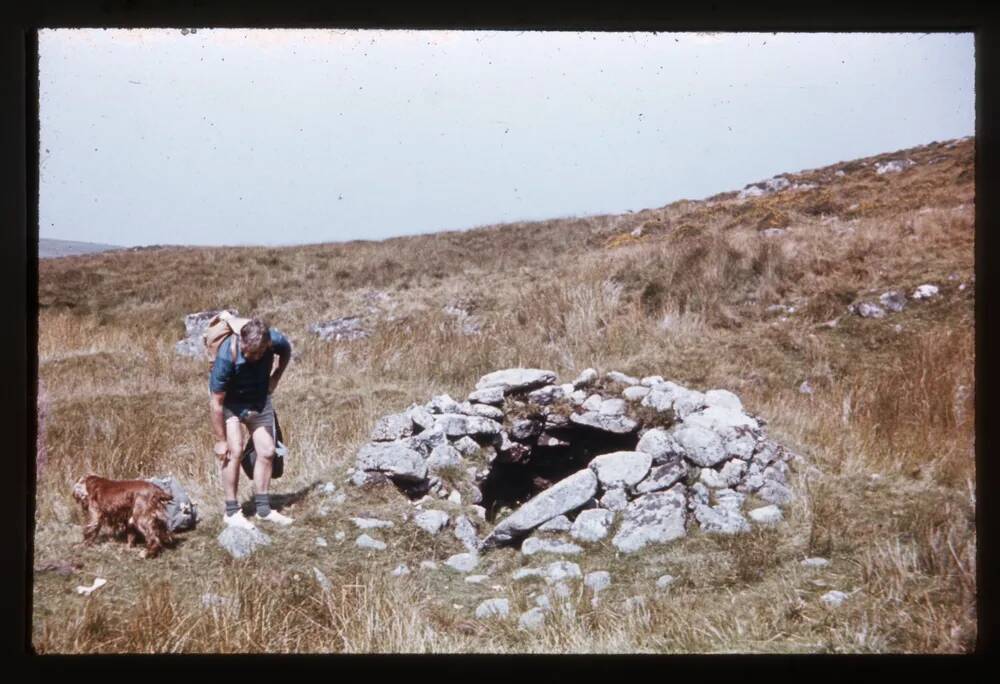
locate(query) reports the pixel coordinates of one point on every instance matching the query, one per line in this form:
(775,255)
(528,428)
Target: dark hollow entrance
(511,484)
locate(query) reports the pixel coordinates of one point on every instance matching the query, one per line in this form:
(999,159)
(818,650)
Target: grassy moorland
(888,431)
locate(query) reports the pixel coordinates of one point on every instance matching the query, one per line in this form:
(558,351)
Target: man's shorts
(253,419)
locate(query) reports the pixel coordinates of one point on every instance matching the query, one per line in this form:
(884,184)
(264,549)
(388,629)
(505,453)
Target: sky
(281,137)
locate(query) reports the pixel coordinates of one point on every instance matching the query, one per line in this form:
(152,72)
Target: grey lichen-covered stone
(712,479)
(321,542)
(560,571)
(815,562)
(729,499)
(586,378)
(566,495)
(240,542)
(560,523)
(925,291)
(516,379)
(716,519)
(491,395)
(612,407)
(463,562)
(615,376)
(392,458)
(658,517)
(621,468)
(493,608)
(533,545)
(723,399)
(664,581)
(619,425)
(671,396)
(525,573)
(614,499)
(366,542)
(370,523)
(732,472)
(662,477)
(443,456)
(532,619)
(775,493)
(466,446)
(651,380)
(442,403)
(893,301)
(421,417)
(431,521)
(766,515)
(425,441)
(699,493)
(458,425)
(486,411)
(833,599)
(578,397)
(592,403)
(592,525)
(739,432)
(700,445)
(635,393)
(546,395)
(598,580)
(392,427)
(465,532)
(661,445)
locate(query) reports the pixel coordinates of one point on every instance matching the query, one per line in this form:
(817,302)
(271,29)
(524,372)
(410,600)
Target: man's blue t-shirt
(245,383)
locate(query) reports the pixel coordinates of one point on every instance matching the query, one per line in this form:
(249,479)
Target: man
(241,394)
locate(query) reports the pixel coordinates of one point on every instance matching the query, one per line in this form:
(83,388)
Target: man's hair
(255,335)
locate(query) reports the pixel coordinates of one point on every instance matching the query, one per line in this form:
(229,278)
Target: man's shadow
(280,501)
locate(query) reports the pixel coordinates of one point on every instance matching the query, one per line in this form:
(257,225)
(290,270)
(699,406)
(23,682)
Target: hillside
(747,290)
(49,248)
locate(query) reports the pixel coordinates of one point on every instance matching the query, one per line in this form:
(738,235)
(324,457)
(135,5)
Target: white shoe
(276,517)
(237,519)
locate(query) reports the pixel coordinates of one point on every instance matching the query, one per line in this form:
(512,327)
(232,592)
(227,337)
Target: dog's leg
(93,526)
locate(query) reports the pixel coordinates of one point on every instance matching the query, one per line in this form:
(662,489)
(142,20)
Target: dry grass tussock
(885,493)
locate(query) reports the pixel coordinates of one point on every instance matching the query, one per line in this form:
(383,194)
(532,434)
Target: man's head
(255,339)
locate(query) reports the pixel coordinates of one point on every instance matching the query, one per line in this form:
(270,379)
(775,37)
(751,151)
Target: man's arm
(283,350)
(222,371)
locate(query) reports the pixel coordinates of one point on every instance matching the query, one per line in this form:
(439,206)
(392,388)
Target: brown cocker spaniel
(132,506)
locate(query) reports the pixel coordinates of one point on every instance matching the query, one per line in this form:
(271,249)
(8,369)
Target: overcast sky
(301,136)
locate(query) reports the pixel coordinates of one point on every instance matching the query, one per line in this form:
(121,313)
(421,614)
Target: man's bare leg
(230,470)
(263,443)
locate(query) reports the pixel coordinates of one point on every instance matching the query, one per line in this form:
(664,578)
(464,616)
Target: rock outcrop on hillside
(642,461)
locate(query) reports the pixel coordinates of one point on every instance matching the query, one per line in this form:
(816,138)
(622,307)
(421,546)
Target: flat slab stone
(392,458)
(654,518)
(716,519)
(598,580)
(621,468)
(662,477)
(766,515)
(240,543)
(566,495)
(586,378)
(366,542)
(458,425)
(370,523)
(560,523)
(619,425)
(490,395)
(392,427)
(516,379)
(533,545)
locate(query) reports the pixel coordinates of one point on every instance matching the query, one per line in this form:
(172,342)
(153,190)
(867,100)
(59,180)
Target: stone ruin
(644,461)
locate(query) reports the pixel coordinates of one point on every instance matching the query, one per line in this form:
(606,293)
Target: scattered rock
(592,525)
(805,388)
(833,599)
(766,515)
(925,292)
(428,565)
(463,562)
(476,579)
(867,310)
(598,580)
(664,581)
(894,166)
(533,545)
(340,329)
(815,562)
(718,519)
(371,523)
(431,521)
(586,378)
(240,542)
(560,571)
(493,608)
(404,569)
(322,579)
(465,532)
(320,541)
(893,301)
(366,542)
(532,619)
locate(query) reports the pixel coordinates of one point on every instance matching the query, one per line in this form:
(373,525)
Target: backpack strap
(236,339)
